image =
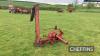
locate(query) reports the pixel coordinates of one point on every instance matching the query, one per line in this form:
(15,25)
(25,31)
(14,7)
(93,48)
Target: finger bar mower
(53,36)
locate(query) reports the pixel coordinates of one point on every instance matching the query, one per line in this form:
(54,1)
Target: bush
(90,5)
(60,10)
(3,7)
(51,8)
(70,8)
(0,7)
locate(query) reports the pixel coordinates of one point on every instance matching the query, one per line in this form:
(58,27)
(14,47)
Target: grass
(17,33)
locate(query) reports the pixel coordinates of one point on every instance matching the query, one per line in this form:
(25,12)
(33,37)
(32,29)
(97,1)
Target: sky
(63,2)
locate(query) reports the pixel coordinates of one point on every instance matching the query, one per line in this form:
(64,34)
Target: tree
(10,1)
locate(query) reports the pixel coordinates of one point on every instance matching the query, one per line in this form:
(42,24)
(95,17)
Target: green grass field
(80,29)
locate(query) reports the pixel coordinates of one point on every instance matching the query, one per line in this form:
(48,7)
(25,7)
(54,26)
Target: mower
(53,36)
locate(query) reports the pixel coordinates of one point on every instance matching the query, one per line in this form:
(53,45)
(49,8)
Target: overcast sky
(64,2)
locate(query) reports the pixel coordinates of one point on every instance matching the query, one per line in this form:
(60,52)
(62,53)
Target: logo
(81,48)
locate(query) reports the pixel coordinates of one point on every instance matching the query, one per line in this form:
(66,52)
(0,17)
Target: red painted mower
(53,36)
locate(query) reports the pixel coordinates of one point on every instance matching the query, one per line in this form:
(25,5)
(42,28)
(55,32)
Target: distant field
(17,33)
(15,3)
(30,4)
